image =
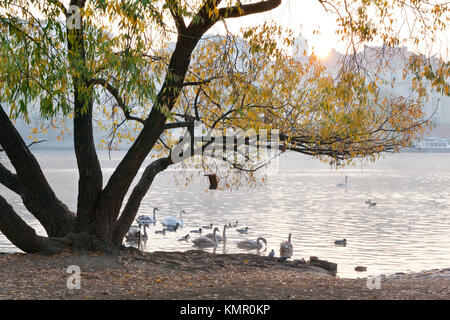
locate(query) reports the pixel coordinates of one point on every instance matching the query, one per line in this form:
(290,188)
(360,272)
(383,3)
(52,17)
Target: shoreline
(199,275)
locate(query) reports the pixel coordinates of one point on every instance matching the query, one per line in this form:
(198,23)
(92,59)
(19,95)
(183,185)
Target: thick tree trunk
(37,195)
(23,236)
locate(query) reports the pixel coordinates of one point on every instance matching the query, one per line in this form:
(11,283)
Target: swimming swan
(146,219)
(204,242)
(252,244)
(172,221)
(219,237)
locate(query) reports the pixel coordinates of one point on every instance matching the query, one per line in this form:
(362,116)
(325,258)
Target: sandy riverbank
(199,275)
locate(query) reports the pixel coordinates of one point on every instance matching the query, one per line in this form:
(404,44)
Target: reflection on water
(408,229)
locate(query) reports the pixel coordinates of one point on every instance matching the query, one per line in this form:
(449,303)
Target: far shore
(200,275)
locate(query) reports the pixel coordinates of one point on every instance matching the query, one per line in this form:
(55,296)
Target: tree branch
(60,5)
(176,15)
(36,193)
(134,201)
(10,180)
(115,93)
(22,235)
(248,9)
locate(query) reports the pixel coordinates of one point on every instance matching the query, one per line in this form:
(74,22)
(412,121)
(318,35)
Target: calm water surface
(408,229)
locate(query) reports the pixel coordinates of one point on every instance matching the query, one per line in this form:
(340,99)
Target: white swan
(146,219)
(204,242)
(286,248)
(252,244)
(342,184)
(172,221)
(219,237)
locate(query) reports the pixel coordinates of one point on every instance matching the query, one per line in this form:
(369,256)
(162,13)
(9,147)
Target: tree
(67,58)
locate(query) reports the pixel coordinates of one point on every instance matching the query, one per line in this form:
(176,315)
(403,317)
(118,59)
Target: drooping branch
(176,15)
(134,201)
(59,5)
(36,193)
(115,93)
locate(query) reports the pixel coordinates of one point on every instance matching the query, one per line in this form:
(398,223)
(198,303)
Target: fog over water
(408,229)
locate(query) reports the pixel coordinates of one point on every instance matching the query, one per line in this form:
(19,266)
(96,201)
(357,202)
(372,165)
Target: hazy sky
(301,16)
(305,16)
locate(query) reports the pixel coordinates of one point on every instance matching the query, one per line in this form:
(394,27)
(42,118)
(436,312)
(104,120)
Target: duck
(233,225)
(143,219)
(163,231)
(271,254)
(185,238)
(172,221)
(342,184)
(196,231)
(342,242)
(243,230)
(286,248)
(220,238)
(370,203)
(208,227)
(252,244)
(204,242)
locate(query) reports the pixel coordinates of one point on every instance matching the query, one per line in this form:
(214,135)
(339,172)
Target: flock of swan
(210,240)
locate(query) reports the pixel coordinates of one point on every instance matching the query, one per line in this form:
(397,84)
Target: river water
(407,231)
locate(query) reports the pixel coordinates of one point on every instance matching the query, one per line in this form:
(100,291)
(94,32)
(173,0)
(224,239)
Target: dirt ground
(199,275)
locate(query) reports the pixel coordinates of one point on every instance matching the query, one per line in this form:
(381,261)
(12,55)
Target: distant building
(300,47)
(393,61)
